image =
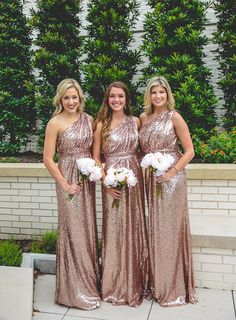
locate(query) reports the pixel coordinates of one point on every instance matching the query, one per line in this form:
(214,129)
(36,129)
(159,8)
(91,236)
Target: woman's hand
(114,192)
(166,176)
(73,189)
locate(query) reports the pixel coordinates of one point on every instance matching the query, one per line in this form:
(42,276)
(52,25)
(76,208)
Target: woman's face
(70,100)
(158,96)
(117,99)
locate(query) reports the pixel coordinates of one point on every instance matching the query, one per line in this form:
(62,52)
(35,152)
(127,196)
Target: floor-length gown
(125,249)
(77,261)
(171,273)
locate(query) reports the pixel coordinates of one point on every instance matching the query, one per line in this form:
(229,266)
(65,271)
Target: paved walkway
(213,305)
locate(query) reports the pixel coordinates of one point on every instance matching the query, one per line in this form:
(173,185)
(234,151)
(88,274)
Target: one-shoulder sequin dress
(125,249)
(77,261)
(171,270)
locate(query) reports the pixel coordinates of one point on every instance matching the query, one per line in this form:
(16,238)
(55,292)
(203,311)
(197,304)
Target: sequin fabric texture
(125,251)
(171,270)
(77,262)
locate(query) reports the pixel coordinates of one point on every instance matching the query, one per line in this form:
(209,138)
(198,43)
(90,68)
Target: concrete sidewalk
(213,305)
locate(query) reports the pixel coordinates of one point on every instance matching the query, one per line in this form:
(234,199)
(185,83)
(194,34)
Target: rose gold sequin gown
(125,250)
(171,274)
(77,263)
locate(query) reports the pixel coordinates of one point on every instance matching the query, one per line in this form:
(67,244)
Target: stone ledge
(194,171)
(213,231)
(46,263)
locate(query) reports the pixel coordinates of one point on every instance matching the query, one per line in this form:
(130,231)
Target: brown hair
(105,112)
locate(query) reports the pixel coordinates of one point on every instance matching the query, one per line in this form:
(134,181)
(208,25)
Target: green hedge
(17,105)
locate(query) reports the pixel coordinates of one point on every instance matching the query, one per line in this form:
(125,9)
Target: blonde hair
(105,112)
(61,90)
(153,82)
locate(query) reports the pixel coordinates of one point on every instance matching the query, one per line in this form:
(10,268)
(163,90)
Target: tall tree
(17,107)
(58,50)
(109,55)
(225,37)
(173,42)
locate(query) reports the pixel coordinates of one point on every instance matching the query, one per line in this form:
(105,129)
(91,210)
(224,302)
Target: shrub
(10,253)
(17,105)
(46,243)
(58,51)
(173,42)
(225,37)
(220,148)
(108,55)
(9,160)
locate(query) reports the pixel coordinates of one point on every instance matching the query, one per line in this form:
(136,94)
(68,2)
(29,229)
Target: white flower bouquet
(87,169)
(118,179)
(158,162)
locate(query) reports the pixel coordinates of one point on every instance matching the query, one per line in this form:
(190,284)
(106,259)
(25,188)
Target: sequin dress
(171,273)
(125,250)
(77,263)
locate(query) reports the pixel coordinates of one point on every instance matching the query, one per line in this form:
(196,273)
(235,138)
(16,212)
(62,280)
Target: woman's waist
(77,153)
(120,155)
(165,150)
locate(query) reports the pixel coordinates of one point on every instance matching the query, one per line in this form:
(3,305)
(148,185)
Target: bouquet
(158,162)
(119,178)
(87,169)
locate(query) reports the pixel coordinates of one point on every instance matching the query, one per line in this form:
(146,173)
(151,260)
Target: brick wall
(215,268)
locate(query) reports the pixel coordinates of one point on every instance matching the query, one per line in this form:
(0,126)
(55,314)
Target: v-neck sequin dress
(125,250)
(77,261)
(171,270)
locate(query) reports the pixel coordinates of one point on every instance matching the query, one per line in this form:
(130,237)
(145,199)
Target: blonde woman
(171,274)
(124,242)
(71,131)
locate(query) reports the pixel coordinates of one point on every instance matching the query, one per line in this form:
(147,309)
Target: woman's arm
(183,135)
(97,145)
(48,154)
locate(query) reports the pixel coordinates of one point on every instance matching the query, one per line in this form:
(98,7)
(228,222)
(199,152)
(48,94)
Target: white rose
(110,181)
(147,159)
(111,171)
(131,180)
(120,177)
(95,174)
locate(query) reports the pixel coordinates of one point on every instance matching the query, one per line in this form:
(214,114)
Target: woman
(71,131)
(171,275)
(124,244)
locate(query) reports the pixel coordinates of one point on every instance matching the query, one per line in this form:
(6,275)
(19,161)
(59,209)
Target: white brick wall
(214,268)
(212,197)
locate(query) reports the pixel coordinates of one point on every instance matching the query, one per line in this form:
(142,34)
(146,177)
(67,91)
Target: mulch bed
(25,157)
(25,245)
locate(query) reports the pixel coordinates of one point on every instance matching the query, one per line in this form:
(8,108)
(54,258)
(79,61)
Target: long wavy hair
(105,112)
(153,82)
(61,90)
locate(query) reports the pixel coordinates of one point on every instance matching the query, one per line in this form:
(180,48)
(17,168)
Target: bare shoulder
(99,126)
(55,122)
(178,120)
(177,116)
(137,121)
(143,118)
